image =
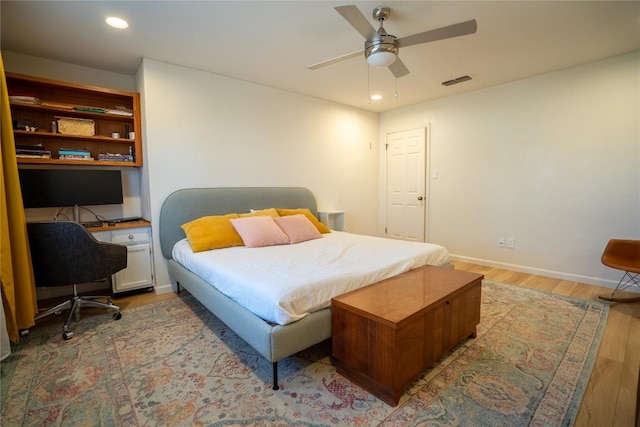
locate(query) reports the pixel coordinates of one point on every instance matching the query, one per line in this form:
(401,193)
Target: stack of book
(74,154)
(120,112)
(35,151)
(23,97)
(109,157)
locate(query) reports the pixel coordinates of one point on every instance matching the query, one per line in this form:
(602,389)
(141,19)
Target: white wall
(205,130)
(552,161)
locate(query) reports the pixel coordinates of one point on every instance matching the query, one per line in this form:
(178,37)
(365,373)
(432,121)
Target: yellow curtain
(16,274)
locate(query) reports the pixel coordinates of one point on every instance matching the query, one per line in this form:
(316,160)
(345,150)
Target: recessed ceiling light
(376,97)
(118,23)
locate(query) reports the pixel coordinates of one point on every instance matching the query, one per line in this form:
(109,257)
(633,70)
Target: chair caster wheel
(67,335)
(117,316)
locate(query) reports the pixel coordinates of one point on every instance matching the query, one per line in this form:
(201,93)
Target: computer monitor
(42,188)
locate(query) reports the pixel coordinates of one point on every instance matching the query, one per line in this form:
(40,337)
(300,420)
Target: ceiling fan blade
(336,59)
(354,17)
(455,30)
(398,68)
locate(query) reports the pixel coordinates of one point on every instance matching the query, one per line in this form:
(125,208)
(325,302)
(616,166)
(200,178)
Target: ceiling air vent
(456,80)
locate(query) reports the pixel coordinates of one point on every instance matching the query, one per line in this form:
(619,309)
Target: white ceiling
(273,42)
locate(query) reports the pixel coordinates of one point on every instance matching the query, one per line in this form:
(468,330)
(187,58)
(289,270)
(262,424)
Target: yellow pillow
(306,212)
(212,232)
(262,212)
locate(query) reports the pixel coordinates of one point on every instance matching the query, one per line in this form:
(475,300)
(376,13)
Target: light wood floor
(610,397)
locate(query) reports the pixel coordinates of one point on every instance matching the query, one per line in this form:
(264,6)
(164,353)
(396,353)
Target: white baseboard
(164,289)
(597,281)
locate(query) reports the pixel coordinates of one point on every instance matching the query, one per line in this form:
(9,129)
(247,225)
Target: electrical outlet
(511,243)
(501,242)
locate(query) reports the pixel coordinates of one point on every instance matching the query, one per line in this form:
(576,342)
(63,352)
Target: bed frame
(274,342)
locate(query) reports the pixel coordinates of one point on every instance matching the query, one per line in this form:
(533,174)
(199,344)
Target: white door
(406,183)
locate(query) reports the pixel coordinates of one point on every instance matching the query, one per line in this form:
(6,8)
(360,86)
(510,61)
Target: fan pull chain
(395,94)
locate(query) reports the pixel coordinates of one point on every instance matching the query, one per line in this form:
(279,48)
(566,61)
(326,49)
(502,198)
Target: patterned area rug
(173,363)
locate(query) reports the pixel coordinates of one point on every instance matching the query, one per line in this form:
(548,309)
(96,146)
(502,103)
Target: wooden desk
(386,334)
(120,226)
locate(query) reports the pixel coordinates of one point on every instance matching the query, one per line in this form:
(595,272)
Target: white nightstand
(332,219)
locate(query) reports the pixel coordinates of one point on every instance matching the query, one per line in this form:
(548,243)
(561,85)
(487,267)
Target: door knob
(419,197)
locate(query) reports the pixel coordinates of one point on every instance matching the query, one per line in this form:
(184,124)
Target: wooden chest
(386,334)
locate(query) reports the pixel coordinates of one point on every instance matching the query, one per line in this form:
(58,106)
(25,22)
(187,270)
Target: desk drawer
(130,236)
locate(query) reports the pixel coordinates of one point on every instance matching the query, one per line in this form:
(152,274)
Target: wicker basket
(73,126)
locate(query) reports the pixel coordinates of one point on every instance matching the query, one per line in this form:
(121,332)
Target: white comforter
(284,283)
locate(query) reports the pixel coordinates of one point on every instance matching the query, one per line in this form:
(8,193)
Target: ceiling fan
(381,49)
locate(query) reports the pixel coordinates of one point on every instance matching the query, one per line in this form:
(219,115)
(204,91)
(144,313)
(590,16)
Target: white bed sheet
(282,284)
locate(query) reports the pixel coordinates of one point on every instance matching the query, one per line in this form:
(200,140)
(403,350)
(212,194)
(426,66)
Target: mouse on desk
(111,224)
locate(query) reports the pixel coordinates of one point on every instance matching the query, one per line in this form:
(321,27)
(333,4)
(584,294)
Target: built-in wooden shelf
(58,99)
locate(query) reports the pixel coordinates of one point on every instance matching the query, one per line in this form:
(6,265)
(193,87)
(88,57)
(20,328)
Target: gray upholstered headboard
(188,204)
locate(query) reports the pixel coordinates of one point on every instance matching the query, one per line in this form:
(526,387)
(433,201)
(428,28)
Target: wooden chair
(623,255)
(64,253)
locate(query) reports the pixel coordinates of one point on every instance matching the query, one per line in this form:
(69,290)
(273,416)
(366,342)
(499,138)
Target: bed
(293,325)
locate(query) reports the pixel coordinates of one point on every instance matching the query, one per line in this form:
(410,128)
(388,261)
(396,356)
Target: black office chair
(64,253)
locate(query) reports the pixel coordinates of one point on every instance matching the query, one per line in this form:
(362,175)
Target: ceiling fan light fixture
(381,52)
(381,59)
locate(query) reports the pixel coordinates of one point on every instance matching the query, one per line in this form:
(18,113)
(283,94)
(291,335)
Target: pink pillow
(298,228)
(258,231)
